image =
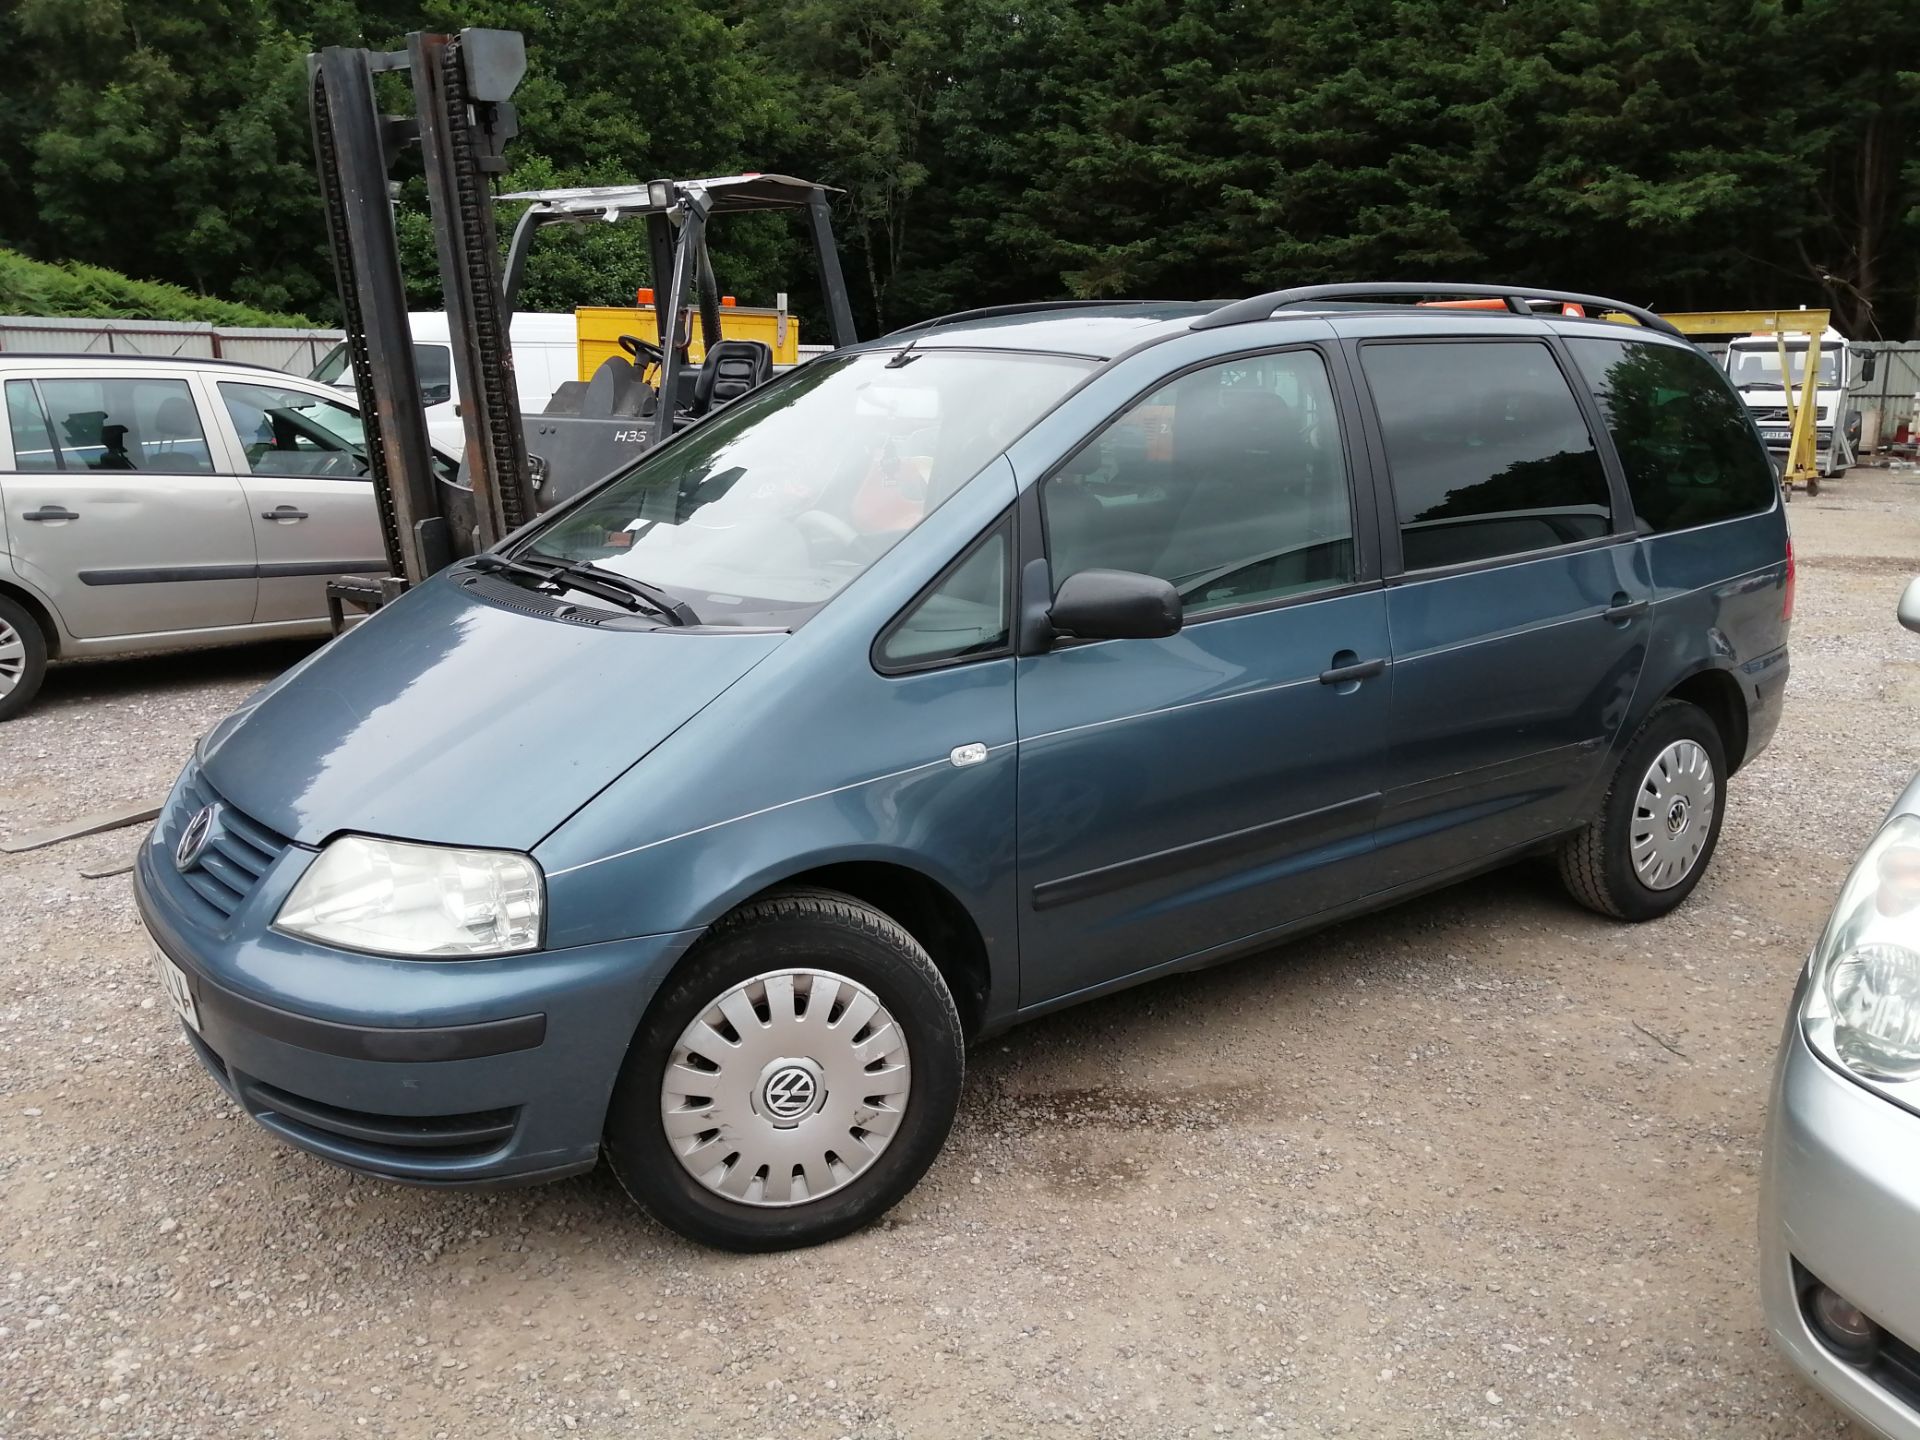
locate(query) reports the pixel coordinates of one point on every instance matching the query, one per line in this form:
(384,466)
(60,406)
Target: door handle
(283,512)
(1360,670)
(49,512)
(1622,609)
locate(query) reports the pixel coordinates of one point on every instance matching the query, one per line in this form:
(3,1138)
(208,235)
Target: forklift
(462,121)
(573,434)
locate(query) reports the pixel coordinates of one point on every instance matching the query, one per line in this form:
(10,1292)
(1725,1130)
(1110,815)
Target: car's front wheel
(793,1080)
(23,657)
(1658,825)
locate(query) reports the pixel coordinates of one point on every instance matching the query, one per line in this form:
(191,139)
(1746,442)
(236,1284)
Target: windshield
(1758,368)
(433,364)
(766,511)
(331,367)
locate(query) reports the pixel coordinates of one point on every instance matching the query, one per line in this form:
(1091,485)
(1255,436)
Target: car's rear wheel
(23,657)
(793,1080)
(1656,830)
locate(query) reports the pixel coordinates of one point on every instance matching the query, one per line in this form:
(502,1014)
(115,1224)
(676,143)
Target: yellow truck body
(598,328)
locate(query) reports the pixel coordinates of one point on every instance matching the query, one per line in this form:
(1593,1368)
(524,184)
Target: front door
(115,510)
(1181,794)
(308,497)
(1520,618)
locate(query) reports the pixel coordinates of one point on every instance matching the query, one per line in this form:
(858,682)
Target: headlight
(398,899)
(1863,999)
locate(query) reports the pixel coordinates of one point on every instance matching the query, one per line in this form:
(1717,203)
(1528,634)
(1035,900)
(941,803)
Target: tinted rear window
(1488,451)
(1689,450)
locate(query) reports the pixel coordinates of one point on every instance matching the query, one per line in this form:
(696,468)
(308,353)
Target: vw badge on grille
(193,840)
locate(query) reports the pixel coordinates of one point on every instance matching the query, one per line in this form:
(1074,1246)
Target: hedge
(69,288)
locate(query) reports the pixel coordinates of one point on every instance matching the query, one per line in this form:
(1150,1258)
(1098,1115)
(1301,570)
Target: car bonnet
(451,720)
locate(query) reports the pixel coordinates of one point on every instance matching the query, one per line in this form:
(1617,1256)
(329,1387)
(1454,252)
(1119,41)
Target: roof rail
(988,312)
(1261,307)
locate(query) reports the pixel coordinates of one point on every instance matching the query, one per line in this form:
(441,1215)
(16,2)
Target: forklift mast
(462,121)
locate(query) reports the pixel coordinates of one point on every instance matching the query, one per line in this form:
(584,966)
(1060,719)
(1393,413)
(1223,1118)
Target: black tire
(1596,864)
(17,622)
(790,928)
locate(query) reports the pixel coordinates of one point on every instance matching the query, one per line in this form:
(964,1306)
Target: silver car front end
(1840,1196)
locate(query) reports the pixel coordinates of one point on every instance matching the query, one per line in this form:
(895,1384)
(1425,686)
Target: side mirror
(435,394)
(1115,605)
(1869,362)
(1909,610)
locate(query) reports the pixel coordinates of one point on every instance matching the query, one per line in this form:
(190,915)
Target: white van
(545,356)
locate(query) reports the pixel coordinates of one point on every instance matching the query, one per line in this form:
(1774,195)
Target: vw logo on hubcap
(193,840)
(1676,817)
(790,1091)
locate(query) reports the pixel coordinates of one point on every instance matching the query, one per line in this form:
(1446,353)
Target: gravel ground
(1484,1163)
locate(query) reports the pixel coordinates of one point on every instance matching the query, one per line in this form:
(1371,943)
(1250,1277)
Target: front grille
(1777,415)
(236,853)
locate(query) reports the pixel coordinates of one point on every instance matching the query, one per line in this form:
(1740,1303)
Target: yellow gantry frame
(1803,463)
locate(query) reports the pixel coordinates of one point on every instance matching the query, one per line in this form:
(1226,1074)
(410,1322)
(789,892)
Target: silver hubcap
(1673,815)
(13,658)
(785,1088)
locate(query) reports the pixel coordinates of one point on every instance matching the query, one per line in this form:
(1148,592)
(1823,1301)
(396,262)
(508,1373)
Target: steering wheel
(645,351)
(818,525)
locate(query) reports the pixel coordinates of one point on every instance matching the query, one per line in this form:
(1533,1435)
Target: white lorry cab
(1754,365)
(545,356)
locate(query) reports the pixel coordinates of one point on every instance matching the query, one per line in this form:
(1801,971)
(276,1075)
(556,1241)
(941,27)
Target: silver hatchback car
(153,504)
(1840,1197)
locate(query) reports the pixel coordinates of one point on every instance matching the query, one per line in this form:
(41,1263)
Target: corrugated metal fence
(294,351)
(1895,382)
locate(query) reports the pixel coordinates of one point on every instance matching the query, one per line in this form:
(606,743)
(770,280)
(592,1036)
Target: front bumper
(1840,1195)
(430,1072)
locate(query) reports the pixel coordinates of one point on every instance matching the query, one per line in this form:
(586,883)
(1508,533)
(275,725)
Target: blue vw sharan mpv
(952,678)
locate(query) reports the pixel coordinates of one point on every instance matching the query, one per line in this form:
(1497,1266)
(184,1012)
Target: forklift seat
(733,367)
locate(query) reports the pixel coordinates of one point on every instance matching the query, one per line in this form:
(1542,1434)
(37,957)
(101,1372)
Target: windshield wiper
(678,611)
(603,584)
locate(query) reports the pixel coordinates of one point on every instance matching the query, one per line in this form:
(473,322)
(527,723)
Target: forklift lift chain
(480,259)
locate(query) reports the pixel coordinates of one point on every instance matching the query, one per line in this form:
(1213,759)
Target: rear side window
(1684,438)
(130,424)
(27,422)
(1488,451)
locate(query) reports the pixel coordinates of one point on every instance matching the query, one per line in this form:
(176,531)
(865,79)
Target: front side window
(290,432)
(769,508)
(131,424)
(962,617)
(1686,443)
(33,447)
(1230,482)
(1487,449)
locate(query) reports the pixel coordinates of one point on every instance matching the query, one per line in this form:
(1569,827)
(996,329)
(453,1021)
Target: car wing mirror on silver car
(1909,611)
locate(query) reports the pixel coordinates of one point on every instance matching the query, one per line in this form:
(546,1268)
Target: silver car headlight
(1862,1006)
(393,898)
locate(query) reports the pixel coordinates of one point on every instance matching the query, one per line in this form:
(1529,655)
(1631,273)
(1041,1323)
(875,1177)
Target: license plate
(1780,435)
(174,981)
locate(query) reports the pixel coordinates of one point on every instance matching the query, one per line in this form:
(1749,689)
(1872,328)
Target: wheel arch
(38,609)
(1718,693)
(926,907)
